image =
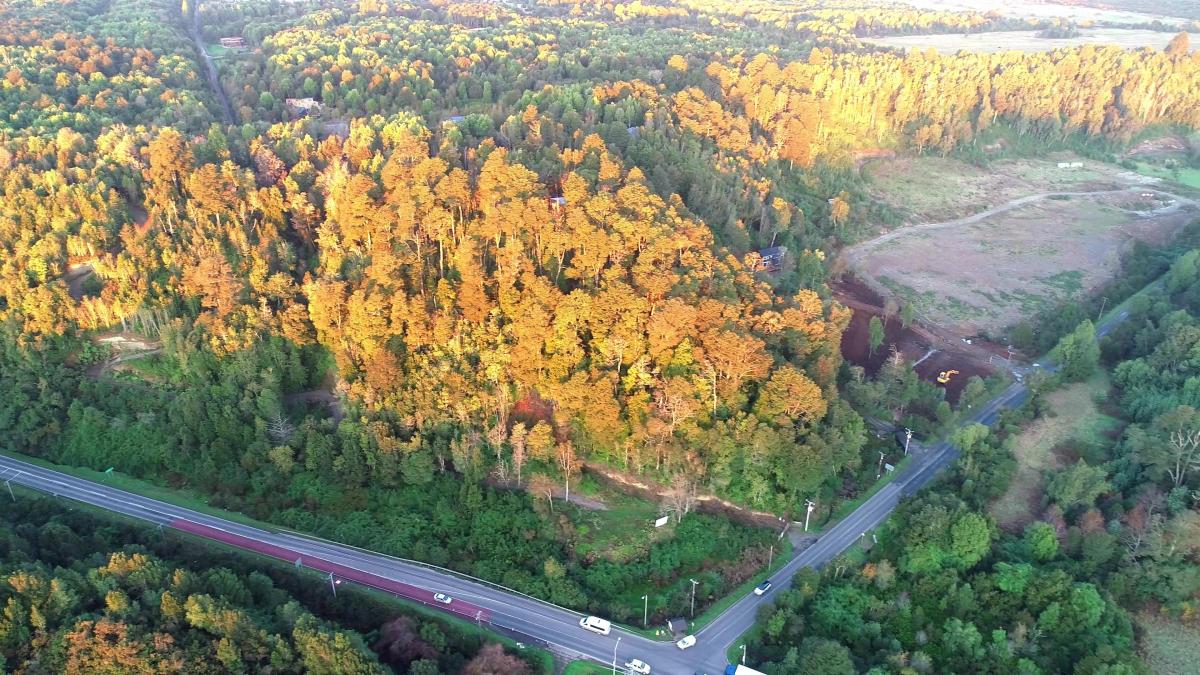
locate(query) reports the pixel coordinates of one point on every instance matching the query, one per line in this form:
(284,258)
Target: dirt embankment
(710,504)
(930,351)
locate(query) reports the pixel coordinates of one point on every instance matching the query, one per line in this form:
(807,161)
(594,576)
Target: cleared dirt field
(1036,234)
(1076,418)
(1028,40)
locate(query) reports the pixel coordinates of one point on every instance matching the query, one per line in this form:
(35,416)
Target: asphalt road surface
(528,619)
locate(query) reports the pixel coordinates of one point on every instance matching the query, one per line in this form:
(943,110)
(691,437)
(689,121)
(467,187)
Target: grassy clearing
(586,668)
(1074,417)
(152,368)
(1188,176)
(1169,647)
(621,533)
(218,52)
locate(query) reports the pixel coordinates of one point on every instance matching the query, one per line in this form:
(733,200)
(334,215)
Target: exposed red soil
(913,342)
(533,409)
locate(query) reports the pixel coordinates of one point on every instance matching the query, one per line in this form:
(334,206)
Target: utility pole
(879,472)
(9,484)
(770,558)
(1010,351)
(1103,302)
(645,610)
(615,654)
(743,653)
(907,440)
(694,583)
(810,505)
(333,584)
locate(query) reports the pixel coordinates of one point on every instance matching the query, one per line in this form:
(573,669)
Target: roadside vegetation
(1107,538)
(487,252)
(86,592)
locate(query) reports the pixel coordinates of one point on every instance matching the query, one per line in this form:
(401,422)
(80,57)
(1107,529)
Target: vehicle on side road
(443,598)
(687,641)
(595,624)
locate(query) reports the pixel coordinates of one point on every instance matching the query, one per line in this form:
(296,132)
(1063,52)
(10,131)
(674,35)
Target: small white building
(303,105)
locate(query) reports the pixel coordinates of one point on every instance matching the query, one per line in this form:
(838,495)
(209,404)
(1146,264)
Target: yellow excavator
(944,376)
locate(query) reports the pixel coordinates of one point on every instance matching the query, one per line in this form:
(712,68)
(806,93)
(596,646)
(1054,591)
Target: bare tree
(680,499)
(675,401)
(890,307)
(495,438)
(1143,523)
(542,486)
(1185,448)
(564,455)
(516,440)
(280,429)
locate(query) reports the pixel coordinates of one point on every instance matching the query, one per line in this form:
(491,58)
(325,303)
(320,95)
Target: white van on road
(595,624)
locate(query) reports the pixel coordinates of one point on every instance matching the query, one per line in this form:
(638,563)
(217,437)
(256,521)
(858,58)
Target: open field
(934,189)
(1075,419)
(1028,40)
(1184,175)
(1112,11)
(1169,647)
(1037,234)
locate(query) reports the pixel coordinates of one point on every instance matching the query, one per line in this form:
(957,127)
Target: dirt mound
(1159,147)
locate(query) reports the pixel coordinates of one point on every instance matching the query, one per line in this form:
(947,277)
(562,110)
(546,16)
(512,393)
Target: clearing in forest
(1075,422)
(986,248)
(1169,647)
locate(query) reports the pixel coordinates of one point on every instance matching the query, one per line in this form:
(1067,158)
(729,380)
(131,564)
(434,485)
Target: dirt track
(993,267)
(854,253)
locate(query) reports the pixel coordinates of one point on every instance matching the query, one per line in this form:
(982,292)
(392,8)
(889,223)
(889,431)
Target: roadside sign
(662,521)
(889,468)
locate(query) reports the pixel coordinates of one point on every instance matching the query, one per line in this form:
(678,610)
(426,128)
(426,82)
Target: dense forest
(87,594)
(503,247)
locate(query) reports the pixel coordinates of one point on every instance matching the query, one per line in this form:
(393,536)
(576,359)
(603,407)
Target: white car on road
(443,598)
(638,666)
(686,642)
(595,624)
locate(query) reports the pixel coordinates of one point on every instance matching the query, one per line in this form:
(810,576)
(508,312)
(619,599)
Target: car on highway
(595,624)
(687,641)
(763,587)
(638,666)
(443,598)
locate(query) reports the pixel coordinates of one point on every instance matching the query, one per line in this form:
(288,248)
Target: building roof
(303,103)
(773,252)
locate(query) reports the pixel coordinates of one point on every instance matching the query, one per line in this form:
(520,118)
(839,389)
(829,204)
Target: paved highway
(527,618)
(530,619)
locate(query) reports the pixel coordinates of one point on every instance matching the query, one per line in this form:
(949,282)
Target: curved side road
(549,625)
